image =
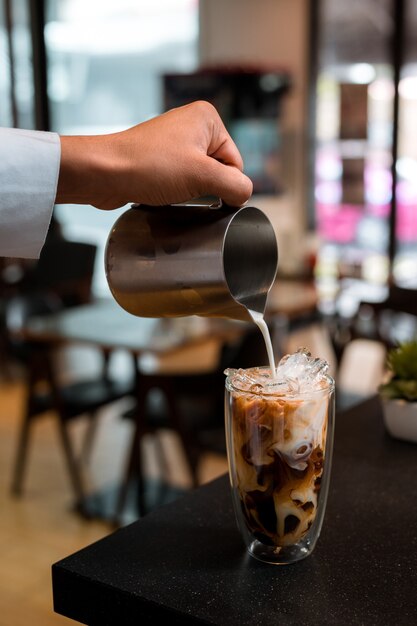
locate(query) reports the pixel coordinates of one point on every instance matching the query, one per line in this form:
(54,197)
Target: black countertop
(185,562)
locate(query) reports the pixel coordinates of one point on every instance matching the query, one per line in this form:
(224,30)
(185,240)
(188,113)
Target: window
(405,263)
(354,122)
(106,59)
(16,73)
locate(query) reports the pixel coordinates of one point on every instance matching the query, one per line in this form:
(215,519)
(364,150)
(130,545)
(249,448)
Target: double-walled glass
(279,452)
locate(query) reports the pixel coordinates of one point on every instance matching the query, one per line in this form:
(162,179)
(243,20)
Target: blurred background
(323,111)
(321,99)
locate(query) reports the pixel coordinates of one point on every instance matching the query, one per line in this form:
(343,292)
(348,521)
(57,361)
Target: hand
(182,154)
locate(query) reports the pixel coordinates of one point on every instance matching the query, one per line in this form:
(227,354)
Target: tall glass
(279,448)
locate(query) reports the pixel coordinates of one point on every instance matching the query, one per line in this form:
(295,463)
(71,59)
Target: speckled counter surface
(185,562)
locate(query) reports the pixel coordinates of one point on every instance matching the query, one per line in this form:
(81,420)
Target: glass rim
(311,393)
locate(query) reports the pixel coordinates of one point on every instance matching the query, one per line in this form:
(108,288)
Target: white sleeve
(29,169)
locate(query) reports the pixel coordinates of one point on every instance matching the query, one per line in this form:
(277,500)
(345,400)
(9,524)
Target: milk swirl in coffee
(277,445)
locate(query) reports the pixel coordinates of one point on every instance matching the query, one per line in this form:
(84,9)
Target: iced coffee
(279,437)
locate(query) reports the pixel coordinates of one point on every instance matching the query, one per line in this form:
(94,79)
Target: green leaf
(402,361)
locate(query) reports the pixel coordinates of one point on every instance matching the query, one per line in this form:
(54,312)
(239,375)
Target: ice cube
(301,371)
(248,379)
(256,388)
(296,373)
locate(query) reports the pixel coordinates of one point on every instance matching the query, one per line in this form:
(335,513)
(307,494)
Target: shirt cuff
(29,169)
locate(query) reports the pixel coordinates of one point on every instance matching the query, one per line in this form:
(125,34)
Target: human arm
(183,154)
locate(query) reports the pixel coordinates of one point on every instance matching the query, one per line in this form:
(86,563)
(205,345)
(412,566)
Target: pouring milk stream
(258,318)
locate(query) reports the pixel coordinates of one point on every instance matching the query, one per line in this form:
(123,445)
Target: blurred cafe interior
(105,416)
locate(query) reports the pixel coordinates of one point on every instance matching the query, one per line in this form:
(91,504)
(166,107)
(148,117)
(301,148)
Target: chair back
(18,310)
(65,268)
(391,321)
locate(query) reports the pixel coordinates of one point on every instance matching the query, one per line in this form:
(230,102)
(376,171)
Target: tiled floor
(41,527)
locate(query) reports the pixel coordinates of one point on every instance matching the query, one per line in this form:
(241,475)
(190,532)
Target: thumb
(226,182)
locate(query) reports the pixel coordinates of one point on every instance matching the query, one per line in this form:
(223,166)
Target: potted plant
(399,392)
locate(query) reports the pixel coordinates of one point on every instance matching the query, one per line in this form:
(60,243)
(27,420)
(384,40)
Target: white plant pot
(400,418)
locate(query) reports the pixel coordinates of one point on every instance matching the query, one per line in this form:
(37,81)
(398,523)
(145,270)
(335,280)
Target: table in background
(292,298)
(106,324)
(103,323)
(185,562)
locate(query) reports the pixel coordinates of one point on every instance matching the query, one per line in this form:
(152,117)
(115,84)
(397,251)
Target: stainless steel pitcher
(191,259)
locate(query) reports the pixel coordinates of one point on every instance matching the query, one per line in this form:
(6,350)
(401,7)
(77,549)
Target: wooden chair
(390,321)
(63,274)
(175,394)
(45,392)
(190,402)
(65,269)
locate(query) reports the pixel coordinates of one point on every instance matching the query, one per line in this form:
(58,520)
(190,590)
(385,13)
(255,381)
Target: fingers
(221,145)
(222,167)
(226,151)
(226,182)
